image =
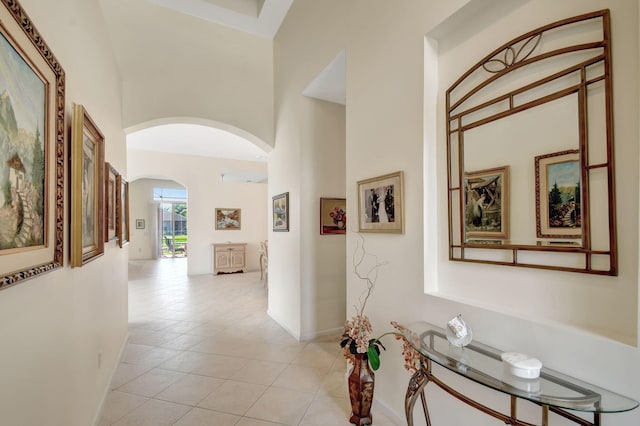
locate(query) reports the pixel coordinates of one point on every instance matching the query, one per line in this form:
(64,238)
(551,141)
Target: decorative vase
(340,224)
(361,382)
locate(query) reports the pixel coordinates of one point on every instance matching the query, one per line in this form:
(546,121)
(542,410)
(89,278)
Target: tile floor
(203,351)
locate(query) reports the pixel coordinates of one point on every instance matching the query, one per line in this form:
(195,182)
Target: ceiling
(261,18)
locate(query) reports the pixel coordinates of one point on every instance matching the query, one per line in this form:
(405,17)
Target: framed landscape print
(333,216)
(228,219)
(381,204)
(486,212)
(280,206)
(110,198)
(32,156)
(558,195)
(122,211)
(87,189)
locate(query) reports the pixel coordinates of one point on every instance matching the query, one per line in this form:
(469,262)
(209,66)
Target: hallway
(203,351)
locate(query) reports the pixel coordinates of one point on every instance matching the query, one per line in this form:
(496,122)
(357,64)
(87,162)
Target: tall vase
(361,382)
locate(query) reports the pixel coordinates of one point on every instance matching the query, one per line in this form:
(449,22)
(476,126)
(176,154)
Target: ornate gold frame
(17,266)
(87,189)
(123,228)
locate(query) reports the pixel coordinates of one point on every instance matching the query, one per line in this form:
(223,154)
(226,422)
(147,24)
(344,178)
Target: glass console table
(552,391)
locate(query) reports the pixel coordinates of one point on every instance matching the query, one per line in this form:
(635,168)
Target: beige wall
(175,65)
(55,327)
(565,315)
(206,192)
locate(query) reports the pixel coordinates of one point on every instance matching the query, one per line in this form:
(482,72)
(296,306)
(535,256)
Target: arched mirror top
(530,152)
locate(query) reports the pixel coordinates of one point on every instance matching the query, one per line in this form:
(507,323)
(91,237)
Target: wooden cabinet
(229,257)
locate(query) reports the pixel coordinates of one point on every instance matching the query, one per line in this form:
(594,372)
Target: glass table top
(483,364)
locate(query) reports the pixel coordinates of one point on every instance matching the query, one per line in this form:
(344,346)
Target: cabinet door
(237,258)
(223,259)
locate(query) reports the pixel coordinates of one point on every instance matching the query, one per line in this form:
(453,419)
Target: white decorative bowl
(521,365)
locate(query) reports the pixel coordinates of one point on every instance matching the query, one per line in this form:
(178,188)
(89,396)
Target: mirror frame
(463,114)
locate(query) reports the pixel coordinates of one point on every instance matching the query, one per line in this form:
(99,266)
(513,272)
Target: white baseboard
(107,389)
(389,412)
(321,333)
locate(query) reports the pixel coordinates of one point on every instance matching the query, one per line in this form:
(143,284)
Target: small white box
(521,365)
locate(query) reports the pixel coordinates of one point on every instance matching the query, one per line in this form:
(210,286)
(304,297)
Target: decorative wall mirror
(530,152)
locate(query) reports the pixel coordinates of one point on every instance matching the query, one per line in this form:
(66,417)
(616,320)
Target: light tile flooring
(203,351)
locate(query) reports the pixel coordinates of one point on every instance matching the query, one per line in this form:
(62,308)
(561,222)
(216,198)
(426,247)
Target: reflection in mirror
(530,152)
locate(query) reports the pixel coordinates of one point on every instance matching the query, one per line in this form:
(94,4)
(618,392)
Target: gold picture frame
(381,204)
(122,211)
(110,196)
(31,244)
(87,189)
(486,212)
(280,210)
(333,216)
(558,177)
(228,219)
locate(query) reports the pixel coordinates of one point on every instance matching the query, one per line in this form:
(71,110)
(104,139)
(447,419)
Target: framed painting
(122,211)
(87,189)
(558,195)
(110,197)
(280,206)
(32,150)
(381,204)
(486,207)
(333,216)
(228,219)
(139,223)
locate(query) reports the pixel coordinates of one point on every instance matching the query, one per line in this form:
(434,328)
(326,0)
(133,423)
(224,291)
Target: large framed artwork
(380,204)
(280,207)
(558,195)
(486,213)
(32,140)
(111,193)
(228,219)
(87,189)
(333,216)
(122,211)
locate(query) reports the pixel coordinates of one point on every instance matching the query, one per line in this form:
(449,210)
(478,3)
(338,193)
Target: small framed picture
(228,219)
(333,216)
(380,204)
(558,195)
(486,211)
(139,223)
(281,213)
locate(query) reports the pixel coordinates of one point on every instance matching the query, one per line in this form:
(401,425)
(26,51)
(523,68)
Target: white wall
(175,65)
(385,132)
(144,242)
(306,270)
(54,327)
(206,192)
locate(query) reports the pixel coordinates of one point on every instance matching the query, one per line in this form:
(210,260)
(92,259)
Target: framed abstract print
(381,204)
(32,150)
(87,189)
(228,219)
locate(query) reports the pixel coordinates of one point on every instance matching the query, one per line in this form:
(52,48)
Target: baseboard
(389,412)
(287,329)
(322,333)
(107,389)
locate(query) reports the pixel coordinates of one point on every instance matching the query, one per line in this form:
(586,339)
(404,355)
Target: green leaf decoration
(374,359)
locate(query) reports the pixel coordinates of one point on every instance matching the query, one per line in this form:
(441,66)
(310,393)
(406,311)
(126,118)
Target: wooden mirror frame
(466,108)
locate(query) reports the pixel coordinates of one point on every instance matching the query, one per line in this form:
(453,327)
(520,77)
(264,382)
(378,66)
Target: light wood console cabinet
(229,257)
